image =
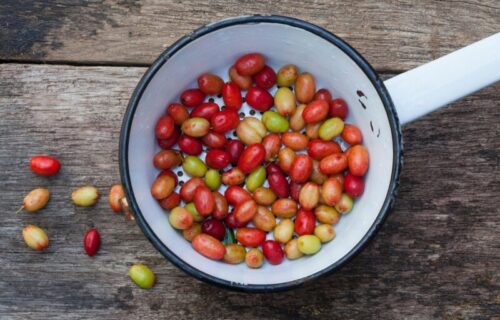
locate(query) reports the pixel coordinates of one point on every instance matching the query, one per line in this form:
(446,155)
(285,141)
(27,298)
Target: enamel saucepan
(378,108)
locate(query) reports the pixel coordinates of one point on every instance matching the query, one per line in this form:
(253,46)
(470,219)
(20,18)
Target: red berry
(273,252)
(305,221)
(354,186)
(45,165)
(259,99)
(91,242)
(265,78)
(190,145)
(338,108)
(168,143)
(164,127)
(231,94)
(235,149)
(217,159)
(214,227)
(232,223)
(192,97)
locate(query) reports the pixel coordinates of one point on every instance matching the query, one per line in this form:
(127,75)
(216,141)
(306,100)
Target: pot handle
(437,83)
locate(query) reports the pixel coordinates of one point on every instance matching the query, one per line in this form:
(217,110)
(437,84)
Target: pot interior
(281,44)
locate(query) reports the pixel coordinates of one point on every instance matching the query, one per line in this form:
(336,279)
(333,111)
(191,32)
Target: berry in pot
(272,145)
(297,122)
(352,135)
(324,232)
(294,140)
(210,84)
(194,166)
(236,195)
(315,111)
(235,254)
(323,94)
(224,121)
(250,64)
(251,158)
(244,82)
(319,149)
(190,145)
(213,179)
(189,187)
(235,149)
(287,75)
(273,252)
(301,168)
(292,251)
(331,191)
(309,196)
(233,177)
(278,184)
(164,127)
(285,159)
(169,142)
(354,186)
(309,244)
(283,231)
(285,101)
(215,228)
(205,110)
(171,201)
(231,222)
(192,97)
(250,237)
(208,246)
(231,94)
(264,196)
(180,218)
(214,140)
(305,222)
(275,122)
(221,207)
(166,159)
(259,99)
(217,159)
(338,108)
(196,127)
(295,190)
(245,211)
(178,113)
(264,219)
(284,208)
(265,78)
(204,200)
(254,258)
(305,87)
(358,160)
(256,179)
(251,130)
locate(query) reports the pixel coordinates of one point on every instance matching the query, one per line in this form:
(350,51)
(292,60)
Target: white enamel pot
(376,107)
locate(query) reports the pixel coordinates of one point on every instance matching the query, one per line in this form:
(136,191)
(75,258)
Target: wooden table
(67,70)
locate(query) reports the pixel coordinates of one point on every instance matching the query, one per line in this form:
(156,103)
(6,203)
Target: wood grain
(392,35)
(437,256)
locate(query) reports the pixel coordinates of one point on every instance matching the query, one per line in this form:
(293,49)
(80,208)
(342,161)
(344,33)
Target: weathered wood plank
(437,256)
(393,35)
